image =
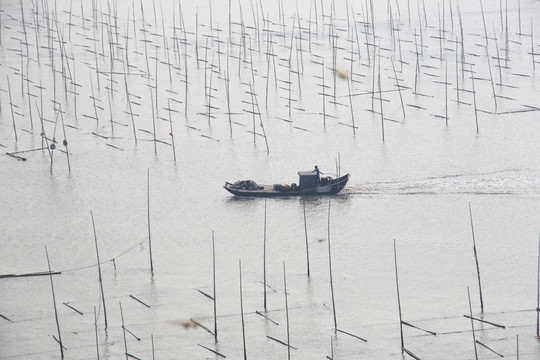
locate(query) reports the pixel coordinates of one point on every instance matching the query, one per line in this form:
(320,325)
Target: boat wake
(515,182)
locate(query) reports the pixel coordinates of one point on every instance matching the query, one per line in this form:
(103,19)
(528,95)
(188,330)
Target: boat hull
(334,186)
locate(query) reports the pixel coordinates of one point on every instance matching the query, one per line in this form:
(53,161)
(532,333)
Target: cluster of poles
(144,62)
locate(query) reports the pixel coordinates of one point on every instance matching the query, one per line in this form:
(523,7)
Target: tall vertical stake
(95,329)
(242,311)
(476,259)
(305,231)
(99,270)
(474,98)
(124,331)
(472,324)
(264,255)
(330,269)
(398,298)
(214,281)
(148,211)
(538,294)
(55,310)
(287,313)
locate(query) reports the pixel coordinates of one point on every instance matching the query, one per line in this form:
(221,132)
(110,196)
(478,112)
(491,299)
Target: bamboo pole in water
(124,332)
(476,260)
(472,325)
(538,294)
(398,298)
(287,313)
(330,270)
(305,231)
(264,255)
(54,303)
(148,211)
(242,312)
(474,98)
(95,329)
(214,282)
(99,271)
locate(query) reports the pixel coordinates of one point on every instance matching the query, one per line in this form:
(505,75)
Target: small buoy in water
(52,146)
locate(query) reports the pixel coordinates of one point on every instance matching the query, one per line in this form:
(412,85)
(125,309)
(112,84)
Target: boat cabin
(308,179)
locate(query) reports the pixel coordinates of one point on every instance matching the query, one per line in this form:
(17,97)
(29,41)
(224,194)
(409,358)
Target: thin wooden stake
(398,299)
(54,303)
(242,311)
(99,271)
(538,294)
(476,260)
(474,98)
(148,211)
(330,270)
(95,329)
(124,332)
(305,231)
(214,281)
(472,324)
(264,255)
(287,313)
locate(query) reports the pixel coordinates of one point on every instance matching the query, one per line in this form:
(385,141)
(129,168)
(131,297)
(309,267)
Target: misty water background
(414,188)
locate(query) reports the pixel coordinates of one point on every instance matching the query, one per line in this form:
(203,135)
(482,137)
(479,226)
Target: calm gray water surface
(415,188)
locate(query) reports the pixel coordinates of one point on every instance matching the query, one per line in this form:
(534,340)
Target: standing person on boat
(319,172)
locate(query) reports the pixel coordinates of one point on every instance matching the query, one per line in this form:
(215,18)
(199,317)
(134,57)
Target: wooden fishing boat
(309,184)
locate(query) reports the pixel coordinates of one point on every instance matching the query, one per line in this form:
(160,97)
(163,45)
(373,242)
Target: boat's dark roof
(307,173)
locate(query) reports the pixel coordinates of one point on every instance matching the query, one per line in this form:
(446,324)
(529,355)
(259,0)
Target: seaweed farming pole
(398,87)
(214,281)
(55,310)
(287,313)
(446,92)
(64,142)
(472,324)
(11,106)
(124,332)
(474,98)
(538,294)
(171,127)
(99,271)
(95,329)
(398,299)
(148,211)
(350,102)
(330,270)
(264,255)
(305,231)
(532,44)
(380,94)
(242,312)
(476,259)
